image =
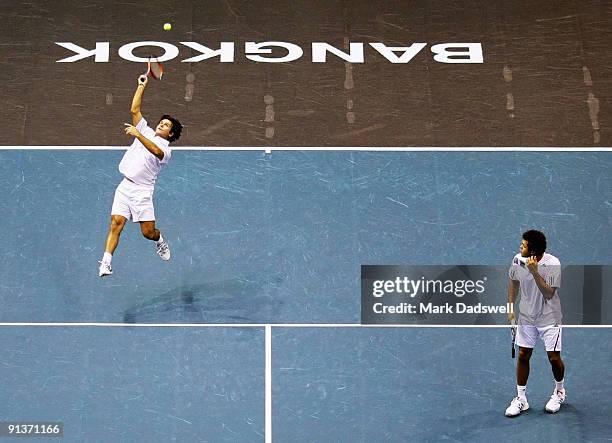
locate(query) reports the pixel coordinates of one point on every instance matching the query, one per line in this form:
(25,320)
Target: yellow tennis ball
(167,26)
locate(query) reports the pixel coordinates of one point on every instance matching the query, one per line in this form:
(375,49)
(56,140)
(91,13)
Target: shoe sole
(522,410)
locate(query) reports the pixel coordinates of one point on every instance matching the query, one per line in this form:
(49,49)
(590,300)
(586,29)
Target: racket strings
(157,69)
(154,68)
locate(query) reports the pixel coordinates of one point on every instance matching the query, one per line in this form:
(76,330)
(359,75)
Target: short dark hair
(176,127)
(536,241)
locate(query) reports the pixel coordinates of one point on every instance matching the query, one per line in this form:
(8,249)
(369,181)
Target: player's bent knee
(554,357)
(117,223)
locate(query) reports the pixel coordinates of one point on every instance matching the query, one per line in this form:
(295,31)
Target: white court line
(317,148)
(268,383)
(261,325)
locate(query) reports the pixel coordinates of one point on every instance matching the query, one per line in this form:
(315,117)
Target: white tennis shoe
(517,406)
(105,269)
(554,404)
(163,250)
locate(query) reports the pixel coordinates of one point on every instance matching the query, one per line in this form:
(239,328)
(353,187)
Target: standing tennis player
(140,167)
(538,276)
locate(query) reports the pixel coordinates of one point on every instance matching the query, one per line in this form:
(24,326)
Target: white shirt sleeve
(514,267)
(141,124)
(553,275)
(145,129)
(167,150)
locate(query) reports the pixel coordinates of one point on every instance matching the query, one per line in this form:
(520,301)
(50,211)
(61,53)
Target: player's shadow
(241,300)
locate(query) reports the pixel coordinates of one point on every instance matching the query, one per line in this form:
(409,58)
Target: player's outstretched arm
(137,100)
(151,147)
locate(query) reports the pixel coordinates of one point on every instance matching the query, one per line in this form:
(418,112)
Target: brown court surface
(545,80)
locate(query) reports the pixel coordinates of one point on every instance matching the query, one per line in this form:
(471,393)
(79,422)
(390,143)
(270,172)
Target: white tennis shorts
(527,336)
(134,202)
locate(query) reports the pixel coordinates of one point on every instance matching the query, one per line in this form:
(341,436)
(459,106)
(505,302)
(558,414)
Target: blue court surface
(280,237)
(135,384)
(125,384)
(430,385)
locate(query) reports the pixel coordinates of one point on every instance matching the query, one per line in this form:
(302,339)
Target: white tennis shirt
(138,164)
(534,308)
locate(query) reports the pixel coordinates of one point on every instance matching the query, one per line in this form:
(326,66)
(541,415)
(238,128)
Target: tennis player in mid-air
(538,276)
(140,167)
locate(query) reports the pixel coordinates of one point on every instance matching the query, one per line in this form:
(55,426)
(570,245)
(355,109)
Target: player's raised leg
(150,232)
(112,240)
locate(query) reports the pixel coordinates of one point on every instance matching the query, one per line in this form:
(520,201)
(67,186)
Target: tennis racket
(154,68)
(513,334)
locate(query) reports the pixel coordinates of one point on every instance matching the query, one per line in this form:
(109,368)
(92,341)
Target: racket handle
(142,79)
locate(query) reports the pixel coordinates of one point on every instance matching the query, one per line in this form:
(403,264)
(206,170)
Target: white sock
(107,258)
(161,239)
(522,392)
(559,385)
